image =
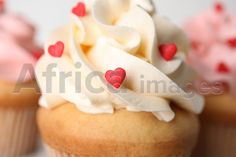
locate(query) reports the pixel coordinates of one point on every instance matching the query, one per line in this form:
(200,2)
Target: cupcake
(114,83)
(18,92)
(213,54)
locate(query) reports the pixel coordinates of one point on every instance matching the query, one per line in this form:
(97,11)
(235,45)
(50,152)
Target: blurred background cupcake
(18,90)
(213,56)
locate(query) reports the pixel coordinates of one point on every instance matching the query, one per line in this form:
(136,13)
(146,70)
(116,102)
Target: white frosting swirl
(118,33)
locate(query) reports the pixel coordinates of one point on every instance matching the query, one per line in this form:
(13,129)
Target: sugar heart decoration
(37,54)
(57,49)
(79,10)
(232,42)
(116,77)
(168,51)
(219,7)
(223,68)
(195,45)
(1,6)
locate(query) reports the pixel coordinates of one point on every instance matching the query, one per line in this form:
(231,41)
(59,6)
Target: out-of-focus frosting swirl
(118,33)
(213,36)
(16,46)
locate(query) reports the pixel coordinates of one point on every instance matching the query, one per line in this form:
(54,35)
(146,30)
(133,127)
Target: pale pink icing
(16,46)
(209,32)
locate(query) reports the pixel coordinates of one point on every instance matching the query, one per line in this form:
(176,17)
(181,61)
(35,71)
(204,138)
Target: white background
(48,14)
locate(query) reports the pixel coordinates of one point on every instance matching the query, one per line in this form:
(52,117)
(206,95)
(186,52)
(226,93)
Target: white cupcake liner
(217,140)
(18,131)
(56,153)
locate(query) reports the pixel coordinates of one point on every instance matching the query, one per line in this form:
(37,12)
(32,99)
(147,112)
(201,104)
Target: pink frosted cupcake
(18,98)
(213,56)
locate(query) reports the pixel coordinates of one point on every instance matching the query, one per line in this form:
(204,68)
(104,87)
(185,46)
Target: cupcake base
(217,140)
(71,133)
(218,127)
(18,131)
(56,153)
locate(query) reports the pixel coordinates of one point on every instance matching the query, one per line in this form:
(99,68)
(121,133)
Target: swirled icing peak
(109,54)
(213,53)
(16,46)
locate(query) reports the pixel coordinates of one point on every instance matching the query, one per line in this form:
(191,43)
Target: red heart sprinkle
(195,45)
(116,77)
(79,10)
(57,49)
(219,7)
(1,6)
(168,51)
(223,68)
(37,54)
(232,42)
